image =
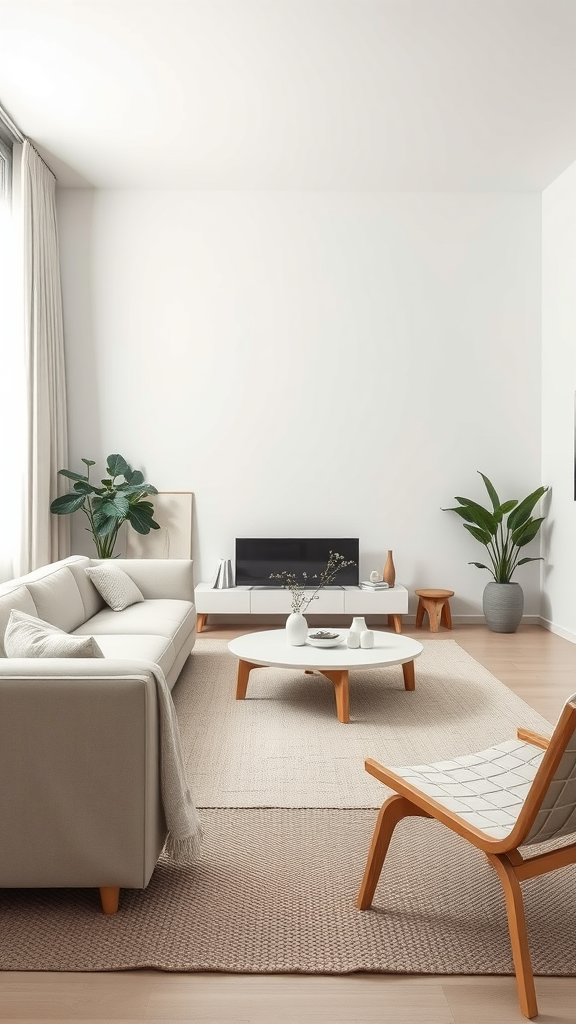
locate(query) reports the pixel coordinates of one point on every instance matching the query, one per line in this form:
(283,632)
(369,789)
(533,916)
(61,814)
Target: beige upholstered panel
(58,599)
(91,599)
(18,599)
(80,812)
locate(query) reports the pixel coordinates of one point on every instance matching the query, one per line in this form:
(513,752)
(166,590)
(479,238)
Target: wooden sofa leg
(391,812)
(518,934)
(109,897)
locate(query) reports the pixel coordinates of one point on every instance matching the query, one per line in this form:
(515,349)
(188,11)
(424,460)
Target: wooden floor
(541,668)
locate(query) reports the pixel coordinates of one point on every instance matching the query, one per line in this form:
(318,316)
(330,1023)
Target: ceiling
(401,95)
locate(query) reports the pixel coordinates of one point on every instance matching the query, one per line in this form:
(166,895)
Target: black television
(258,557)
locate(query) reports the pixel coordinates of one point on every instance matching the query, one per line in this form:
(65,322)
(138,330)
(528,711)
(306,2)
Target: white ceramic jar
(358,624)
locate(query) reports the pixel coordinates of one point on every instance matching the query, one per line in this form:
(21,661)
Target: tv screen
(258,557)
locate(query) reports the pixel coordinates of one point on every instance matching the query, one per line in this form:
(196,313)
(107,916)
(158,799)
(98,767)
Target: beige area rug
(284,747)
(276,886)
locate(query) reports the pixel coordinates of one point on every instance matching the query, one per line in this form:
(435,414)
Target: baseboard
(342,620)
(558,630)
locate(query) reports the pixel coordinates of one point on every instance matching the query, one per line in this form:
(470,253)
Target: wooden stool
(437,604)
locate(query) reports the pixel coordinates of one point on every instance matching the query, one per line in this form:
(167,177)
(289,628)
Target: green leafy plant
(504,531)
(297,586)
(120,499)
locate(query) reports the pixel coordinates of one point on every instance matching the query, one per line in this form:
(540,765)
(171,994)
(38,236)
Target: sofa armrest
(80,800)
(159,577)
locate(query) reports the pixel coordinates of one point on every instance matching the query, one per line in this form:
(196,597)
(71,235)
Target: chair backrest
(550,808)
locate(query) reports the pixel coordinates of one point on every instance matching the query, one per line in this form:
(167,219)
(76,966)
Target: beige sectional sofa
(80,801)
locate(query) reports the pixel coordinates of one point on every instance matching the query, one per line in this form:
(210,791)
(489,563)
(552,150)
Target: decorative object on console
(223,578)
(503,601)
(109,506)
(369,585)
(389,572)
(358,624)
(366,639)
(301,599)
(375,576)
(296,629)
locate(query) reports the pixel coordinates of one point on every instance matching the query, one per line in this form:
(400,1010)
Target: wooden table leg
(339,679)
(244,670)
(200,622)
(408,673)
(396,621)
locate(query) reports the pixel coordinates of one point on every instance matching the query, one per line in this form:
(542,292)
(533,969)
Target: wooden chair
(520,793)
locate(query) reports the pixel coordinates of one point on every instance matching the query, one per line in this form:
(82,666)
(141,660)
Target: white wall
(558,406)
(312,363)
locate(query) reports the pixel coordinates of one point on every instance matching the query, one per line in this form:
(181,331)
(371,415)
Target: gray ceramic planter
(503,604)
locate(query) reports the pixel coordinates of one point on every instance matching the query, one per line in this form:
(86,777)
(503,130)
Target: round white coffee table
(270,648)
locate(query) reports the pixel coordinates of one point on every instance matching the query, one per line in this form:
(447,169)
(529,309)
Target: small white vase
(358,624)
(296,629)
(353,640)
(367,638)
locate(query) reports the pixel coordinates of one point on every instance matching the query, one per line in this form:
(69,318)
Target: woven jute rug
(275,889)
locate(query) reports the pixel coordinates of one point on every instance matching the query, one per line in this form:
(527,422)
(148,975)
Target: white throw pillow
(29,637)
(115,585)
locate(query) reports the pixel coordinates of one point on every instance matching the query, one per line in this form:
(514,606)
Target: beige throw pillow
(115,585)
(29,637)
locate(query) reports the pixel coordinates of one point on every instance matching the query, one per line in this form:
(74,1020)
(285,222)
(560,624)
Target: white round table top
(269,647)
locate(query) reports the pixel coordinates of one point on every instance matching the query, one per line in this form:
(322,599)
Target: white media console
(392,602)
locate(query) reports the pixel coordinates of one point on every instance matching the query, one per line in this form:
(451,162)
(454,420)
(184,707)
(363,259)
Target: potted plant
(504,531)
(120,499)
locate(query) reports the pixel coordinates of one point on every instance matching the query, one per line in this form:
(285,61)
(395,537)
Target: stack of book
(368,585)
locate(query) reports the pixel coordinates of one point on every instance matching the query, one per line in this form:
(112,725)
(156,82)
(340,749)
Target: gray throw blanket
(183,844)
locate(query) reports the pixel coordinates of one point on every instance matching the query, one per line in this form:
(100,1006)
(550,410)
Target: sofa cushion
(58,599)
(29,637)
(91,598)
(139,647)
(21,600)
(162,617)
(115,585)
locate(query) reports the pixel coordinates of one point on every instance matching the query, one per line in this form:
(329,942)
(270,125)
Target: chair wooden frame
(503,854)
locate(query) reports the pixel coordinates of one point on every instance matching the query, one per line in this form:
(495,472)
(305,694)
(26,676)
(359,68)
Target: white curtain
(45,537)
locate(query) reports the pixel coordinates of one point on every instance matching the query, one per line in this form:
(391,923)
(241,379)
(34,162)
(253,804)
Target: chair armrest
(533,737)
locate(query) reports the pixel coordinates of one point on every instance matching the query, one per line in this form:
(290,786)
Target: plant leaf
(136,477)
(88,462)
(70,475)
(480,566)
(508,506)
(481,516)
(82,487)
(117,466)
(140,519)
(117,507)
(67,503)
(524,509)
(524,560)
(478,533)
(525,533)
(104,525)
(491,491)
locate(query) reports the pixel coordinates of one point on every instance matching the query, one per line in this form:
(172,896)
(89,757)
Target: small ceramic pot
(367,638)
(353,640)
(358,624)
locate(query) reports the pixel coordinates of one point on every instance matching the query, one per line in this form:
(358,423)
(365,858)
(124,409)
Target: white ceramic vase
(358,624)
(296,629)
